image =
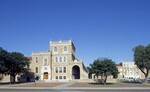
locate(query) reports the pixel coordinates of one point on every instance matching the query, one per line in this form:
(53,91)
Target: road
(74,90)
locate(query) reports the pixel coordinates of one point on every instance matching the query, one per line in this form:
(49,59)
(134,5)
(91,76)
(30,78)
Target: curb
(80,88)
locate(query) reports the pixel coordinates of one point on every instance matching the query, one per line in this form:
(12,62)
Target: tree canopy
(142,59)
(13,63)
(104,67)
(3,59)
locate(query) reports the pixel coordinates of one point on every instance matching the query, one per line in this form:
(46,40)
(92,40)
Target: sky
(98,28)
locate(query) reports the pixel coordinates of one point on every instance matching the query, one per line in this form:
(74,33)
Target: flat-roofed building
(129,69)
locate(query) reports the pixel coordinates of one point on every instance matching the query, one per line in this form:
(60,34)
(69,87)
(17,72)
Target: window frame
(60,59)
(56,77)
(45,63)
(36,59)
(56,70)
(55,49)
(64,77)
(65,59)
(36,70)
(60,69)
(65,48)
(64,69)
(56,59)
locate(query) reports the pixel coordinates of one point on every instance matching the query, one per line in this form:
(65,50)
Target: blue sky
(98,28)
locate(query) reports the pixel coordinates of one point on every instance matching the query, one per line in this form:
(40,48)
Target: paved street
(74,86)
(74,90)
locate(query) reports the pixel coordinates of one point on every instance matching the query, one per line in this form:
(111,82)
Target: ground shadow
(132,82)
(101,83)
(9,83)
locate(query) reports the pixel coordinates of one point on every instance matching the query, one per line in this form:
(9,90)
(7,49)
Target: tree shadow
(101,83)
(9,83)
(132,82)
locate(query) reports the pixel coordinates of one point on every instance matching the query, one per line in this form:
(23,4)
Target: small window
(60,77)
(36,59)
(65,48)
(56,77)
(45,68)
(56,59)
(64,59)
(56,69)
(55,49)
(60,59)
(64,70)
(45,62)
(64,77)
(36,69)
(60,69)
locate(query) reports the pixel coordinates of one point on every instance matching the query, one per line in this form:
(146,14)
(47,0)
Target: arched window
(55,49)
(65,48)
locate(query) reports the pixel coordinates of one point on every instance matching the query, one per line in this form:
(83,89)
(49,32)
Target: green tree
(18,64)
(12,63)
(104,67)
(142,59)
(3,58)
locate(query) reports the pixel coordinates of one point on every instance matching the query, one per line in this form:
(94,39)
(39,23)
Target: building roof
(120,64)
(30,58)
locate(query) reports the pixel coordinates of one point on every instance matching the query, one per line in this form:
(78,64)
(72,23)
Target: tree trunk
(146,73)
(146,76)
(105,80)
(97,78)
(12,78)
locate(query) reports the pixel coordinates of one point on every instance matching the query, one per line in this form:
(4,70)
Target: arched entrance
(45,75)
(76,72)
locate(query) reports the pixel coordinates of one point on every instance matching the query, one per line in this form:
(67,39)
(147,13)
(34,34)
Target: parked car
(148,80)
(129,79)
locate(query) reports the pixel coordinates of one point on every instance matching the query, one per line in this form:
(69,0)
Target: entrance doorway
(75,72)
(45,75)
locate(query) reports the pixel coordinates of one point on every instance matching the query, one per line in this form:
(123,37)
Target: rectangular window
(60,69)
(65,48)
(36,59)
(56,59)
(36,69)
(45,62)
(56,77)
(64,77)
(60,59)
(56,69)
(64,59)
(60,77)
(64,70)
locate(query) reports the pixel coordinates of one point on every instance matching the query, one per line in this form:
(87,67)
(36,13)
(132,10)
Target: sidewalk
(67,84)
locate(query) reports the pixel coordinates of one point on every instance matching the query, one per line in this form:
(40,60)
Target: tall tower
(63,53)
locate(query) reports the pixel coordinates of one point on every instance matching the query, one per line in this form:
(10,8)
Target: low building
(129,70)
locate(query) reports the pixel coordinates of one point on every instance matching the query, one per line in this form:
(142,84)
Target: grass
(119,84)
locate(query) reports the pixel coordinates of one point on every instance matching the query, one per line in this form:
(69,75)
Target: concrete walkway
(66,84)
